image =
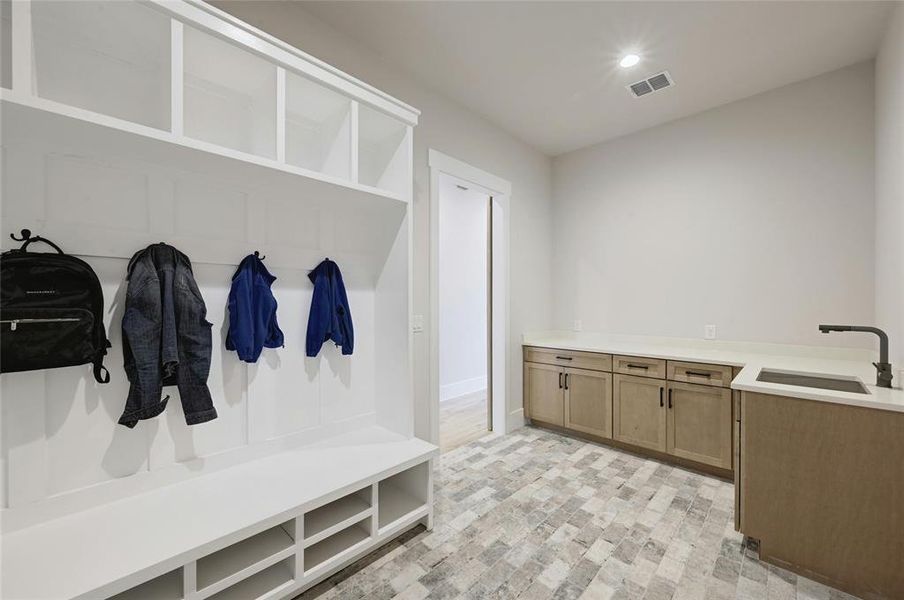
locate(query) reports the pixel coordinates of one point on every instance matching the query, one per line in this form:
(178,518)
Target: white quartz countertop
(753,357)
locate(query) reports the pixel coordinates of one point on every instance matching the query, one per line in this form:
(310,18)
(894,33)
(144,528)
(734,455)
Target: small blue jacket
(252,311)
(330,317)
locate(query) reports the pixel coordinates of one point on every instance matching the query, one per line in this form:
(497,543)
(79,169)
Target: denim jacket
(252,311)
(330,316)
(166,337)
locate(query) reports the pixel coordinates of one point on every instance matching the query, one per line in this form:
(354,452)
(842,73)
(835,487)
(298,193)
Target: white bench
(268,528)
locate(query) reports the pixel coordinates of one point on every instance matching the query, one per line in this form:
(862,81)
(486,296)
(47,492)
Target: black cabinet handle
(560,380)
(644,367)
(670,397)
(564,358)
(698,374)
(566,381)
(660,397)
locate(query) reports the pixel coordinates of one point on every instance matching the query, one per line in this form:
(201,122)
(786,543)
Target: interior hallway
(462,420)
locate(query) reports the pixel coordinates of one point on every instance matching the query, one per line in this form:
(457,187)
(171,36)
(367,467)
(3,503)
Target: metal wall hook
(25,234)
(259,255)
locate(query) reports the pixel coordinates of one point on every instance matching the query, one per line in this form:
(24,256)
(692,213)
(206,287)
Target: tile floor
(537,515)
(462,420)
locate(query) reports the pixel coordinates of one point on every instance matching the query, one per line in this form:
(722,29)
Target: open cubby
(318,127)
(107,57)
(6,43)
(273,578)
(383,153)
(323,552)
(251,552)
(330,515)
(402,494)
(166,587)
(229,95)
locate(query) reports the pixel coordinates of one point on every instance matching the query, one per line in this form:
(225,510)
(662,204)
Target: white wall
(457,132)
(462,290)
(757,216)
(890,188)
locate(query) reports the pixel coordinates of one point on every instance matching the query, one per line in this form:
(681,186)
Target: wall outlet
(578,326)
(417,323)
(709,332)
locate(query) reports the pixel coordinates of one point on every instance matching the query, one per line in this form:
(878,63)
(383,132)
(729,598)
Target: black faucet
(883,367)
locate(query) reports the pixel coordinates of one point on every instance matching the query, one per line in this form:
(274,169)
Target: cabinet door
(588,402)
(638,411)
(699,419)
(544,393)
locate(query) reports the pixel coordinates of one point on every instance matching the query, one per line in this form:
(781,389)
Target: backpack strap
(101,374)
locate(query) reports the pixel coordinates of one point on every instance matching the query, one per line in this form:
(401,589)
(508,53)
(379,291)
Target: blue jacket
(330,317)
(252,311)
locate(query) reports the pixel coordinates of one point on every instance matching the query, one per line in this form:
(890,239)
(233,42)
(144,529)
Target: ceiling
(547,71)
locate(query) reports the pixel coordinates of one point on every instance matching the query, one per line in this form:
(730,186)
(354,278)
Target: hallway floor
(462,420)
(536,515)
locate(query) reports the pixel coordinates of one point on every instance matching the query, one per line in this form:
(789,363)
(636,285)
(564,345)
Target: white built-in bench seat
(263,529)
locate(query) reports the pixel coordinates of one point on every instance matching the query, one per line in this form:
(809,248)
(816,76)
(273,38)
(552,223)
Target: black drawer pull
(660,397)
(644,367)
(560,380)
(564,358)
(698,374)
(566,381)
(670,397)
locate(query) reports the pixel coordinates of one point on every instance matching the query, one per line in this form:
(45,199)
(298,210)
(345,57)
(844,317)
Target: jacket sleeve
(344,315)
(240,335)
(319,316)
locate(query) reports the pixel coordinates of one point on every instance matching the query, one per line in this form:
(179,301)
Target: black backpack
(51,311)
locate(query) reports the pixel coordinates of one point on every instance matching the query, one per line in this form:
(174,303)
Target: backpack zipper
(13,323)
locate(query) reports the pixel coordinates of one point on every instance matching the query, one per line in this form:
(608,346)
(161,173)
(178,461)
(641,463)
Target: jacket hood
(253,265)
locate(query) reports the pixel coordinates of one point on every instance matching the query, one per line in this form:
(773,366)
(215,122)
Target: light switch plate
(709,332)
(417,323)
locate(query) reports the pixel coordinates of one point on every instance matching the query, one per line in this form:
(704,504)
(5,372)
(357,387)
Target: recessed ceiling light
(628,61)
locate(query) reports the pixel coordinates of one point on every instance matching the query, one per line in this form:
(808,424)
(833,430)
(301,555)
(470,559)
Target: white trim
(221,23)
(465,387)
(501,190)
(515,420)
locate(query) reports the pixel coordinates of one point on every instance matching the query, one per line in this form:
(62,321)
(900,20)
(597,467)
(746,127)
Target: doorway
(481,199)
(465,246)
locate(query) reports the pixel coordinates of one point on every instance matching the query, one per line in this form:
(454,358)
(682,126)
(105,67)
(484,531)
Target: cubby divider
(328,519)
(338,546)
(267,583)
(236,562)
(165,587)
(402,494)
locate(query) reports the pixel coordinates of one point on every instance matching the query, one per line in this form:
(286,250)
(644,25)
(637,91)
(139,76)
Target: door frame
(498,308)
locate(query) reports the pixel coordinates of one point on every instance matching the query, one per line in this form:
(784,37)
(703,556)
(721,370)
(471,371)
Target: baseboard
(515,420)
(465,387)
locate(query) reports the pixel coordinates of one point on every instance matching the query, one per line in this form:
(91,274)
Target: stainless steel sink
(824,382)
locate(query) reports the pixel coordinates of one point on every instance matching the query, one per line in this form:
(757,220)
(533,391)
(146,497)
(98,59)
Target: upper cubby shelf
(186,74)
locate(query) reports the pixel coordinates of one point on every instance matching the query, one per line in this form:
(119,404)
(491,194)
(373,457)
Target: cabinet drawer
(634,365)
(688,372)
(569,358)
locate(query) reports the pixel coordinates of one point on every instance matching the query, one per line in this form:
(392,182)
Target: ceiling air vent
(657,82)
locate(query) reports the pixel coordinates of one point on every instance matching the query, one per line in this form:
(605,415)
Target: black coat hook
(259,255)
(23,236)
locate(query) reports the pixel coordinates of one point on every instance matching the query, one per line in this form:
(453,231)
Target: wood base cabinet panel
(699,423)
(544,393)
(822,488)
(638,411)
(588,402)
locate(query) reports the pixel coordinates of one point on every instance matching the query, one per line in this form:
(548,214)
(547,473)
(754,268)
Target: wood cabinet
(588,402)
(822,489)
(638,411)
(672,408)
(544,393)
(699,424)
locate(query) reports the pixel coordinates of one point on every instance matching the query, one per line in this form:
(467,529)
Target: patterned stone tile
(537,516)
